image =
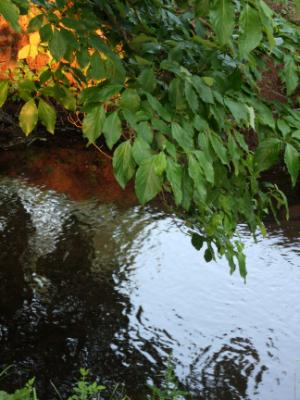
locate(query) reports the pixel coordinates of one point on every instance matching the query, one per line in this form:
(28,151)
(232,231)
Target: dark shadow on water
(61,319)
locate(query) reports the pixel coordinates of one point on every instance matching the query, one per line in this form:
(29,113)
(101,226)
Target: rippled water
(85,284)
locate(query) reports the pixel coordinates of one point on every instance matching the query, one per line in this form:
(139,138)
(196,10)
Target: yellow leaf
(34,39)
(49,55)
(33,52)
(24,52)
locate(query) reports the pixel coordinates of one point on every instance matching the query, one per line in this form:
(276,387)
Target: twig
(101,151)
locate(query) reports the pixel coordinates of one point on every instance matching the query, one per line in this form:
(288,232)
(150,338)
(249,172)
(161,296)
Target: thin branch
(102,152)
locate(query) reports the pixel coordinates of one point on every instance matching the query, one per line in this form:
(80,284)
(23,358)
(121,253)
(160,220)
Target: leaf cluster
(173,89)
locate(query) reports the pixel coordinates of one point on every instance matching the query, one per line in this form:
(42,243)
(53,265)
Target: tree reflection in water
(70,320)
(226,372)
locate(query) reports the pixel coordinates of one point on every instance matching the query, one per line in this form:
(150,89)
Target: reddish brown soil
(270,85)
(79,172)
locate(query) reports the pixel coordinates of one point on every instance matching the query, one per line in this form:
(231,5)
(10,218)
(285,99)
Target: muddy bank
(67,166)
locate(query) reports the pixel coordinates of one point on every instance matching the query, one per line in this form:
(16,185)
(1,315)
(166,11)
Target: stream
(120,290)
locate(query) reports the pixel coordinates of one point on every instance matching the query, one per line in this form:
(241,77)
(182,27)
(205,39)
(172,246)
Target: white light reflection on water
(226,336)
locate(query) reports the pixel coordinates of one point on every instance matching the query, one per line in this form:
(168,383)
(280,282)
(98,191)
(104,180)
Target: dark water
(85,284)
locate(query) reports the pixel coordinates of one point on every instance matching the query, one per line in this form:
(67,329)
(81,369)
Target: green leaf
(196,173)
(237,109)
(47,115)
(290,74)
(66,99)
(197,241)
(191,97)
(296,135)
(4,85)
(11,13)
(267,153)
(251,27)
(182,137)
(251,112)
(160,163)
(242,264)
(35,23)
(83,57)
(141,150)
(123,163)
(148,183)
(93,124)
(187,189)
(222,18)
(26,88)
(208,254)
(28,117)
(219,148)
(174,176)
(264,115)
(266,16)
(58,45)
(234,153)
(46,33)
(176,88)
(283,126)
(204,91)
(130,100)
(147,80)
(97,67)
(145,132)
(291,159)
(112,129)
(99,94)
(158,107)
(206,165)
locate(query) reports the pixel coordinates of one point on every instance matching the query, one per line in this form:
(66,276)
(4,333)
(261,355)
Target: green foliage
(11,13)
(47,115)
(173,87)
(85,390)
(169,389)
(28,116)
(4,85)
(149,177)
(93,123)
(26,393)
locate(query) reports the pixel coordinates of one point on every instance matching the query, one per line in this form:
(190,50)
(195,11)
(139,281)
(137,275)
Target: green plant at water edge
(174,90)
(27,393)
(85,390)
(169,389)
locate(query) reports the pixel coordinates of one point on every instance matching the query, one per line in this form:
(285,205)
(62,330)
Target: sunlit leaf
(28,117)
(4,85)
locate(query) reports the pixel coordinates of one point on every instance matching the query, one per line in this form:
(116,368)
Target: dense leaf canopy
(174,89)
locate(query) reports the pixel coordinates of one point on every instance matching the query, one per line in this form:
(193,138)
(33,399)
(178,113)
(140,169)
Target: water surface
(119,290)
